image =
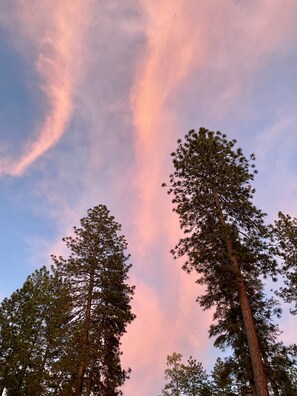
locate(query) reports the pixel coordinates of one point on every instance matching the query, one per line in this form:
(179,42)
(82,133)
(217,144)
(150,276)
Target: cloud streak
(56,31)
(164,322)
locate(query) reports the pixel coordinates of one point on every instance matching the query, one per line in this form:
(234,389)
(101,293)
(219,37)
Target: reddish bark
(250,328)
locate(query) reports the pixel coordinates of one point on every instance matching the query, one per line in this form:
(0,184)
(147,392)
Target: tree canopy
(226,240)
(96,273)
(60,334)
(188,379)
(33,329)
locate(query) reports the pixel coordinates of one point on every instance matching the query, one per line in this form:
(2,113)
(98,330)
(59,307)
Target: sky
(94,95)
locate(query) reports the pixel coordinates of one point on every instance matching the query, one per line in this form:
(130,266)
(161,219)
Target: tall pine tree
(96,272)
(226,240)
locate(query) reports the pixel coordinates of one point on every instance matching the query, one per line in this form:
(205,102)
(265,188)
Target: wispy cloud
(55,30)
(171,53)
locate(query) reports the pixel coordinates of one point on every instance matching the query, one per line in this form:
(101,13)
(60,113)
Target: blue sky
(93,98)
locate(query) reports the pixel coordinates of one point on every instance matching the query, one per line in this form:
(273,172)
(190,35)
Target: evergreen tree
(185,379)
(231,376)
(286,234)
(222,379)
(31,322)
(226,240)
(96,272)
(277,358)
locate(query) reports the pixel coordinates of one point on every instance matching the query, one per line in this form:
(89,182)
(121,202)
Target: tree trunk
(83,362)
(253,389)
(248,320)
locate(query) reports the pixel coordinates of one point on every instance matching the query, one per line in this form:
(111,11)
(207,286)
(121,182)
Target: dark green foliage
(278,359)
(286,234)
(226,242)
(96,273)
(223,382)
(60,334)
(281,364)
(233,375)
(228,377)
(206,162)
(33,324)
(185,379)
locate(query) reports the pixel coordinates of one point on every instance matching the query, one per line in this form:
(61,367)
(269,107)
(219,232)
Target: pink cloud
(55,30)
(169,56)
(166,322)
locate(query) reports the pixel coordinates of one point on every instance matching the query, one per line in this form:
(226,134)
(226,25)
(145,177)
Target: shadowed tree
(229,377)
(229,330)
(33,324)
(185,379)
(222,379)
(226,240)
(285,230)
(96,272)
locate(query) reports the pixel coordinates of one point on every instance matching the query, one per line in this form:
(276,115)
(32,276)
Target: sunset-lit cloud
(165,62)
(48,28)
(173,49)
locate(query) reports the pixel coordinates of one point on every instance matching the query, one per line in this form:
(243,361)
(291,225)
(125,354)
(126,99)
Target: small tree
(96,272)
(226,240)
(185,379)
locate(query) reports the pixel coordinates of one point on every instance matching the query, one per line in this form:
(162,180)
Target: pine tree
(226,242)
(285,230)
(222,379)
(31,322)
(185,379)
(96,272)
